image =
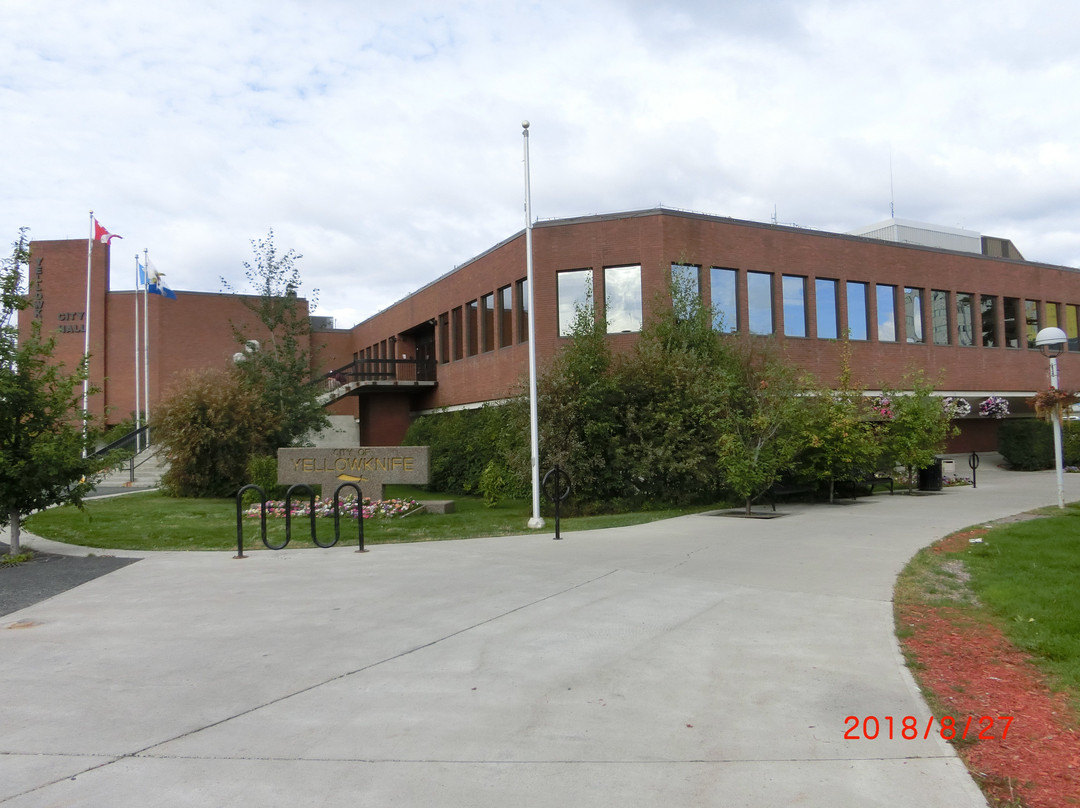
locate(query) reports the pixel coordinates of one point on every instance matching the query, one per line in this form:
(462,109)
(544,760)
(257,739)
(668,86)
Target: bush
(209,425)
(262,471)
(495,481)
(463,443)
(1071,443)
(1027,444)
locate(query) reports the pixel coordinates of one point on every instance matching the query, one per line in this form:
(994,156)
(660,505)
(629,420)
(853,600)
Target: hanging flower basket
(994,407)
(956,407)
(1047,401)
(883,407)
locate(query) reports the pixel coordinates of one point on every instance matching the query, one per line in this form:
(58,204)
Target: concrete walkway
(701,661)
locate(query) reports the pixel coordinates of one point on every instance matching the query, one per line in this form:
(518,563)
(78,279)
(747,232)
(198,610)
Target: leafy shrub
(1027,444)
(463,443)
(209,425)
(495,482)
(262,471)
(1071,443)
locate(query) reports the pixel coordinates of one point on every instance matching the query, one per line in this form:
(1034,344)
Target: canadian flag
(103,235)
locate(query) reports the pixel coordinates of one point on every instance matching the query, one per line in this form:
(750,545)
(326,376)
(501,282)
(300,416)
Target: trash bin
(930,478)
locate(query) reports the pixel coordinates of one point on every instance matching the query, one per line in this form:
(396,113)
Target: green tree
(761,423)
(840,440)
(44,450)
(277,361)
(210,424)
(919,426)
(672,384)
(579,407)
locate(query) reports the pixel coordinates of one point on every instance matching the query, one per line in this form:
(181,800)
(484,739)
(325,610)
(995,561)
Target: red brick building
(962,307)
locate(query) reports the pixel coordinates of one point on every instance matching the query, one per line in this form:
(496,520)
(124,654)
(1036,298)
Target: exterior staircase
(149,466)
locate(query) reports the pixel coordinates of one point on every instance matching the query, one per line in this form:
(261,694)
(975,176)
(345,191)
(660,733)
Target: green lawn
(151,521)
(1028,575)
(1023,577)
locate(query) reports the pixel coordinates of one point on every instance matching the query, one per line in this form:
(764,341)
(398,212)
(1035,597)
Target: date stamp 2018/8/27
(909,727)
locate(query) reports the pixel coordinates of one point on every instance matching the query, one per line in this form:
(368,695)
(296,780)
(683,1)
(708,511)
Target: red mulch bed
(974,671)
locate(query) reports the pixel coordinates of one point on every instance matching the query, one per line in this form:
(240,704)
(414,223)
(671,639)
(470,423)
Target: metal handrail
(120,443)
(422,370)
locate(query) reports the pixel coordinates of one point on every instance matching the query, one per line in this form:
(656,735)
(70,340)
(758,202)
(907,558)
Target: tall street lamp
(1052,341)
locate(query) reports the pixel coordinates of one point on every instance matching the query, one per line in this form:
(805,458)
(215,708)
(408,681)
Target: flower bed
(384,509)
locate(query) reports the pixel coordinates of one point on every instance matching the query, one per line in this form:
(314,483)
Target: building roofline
(707,217)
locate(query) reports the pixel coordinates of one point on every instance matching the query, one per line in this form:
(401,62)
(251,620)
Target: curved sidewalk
(701,661)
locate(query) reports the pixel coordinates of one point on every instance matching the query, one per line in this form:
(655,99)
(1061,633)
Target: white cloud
(382,141)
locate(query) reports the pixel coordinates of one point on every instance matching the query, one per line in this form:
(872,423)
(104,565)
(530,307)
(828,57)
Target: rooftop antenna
(774,213)
(892,197)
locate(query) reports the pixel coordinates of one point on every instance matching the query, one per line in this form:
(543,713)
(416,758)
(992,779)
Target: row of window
(484,324)
(883,312)
(933,316)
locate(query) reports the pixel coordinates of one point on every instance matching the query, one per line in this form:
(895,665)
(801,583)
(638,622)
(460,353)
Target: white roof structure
(904,231)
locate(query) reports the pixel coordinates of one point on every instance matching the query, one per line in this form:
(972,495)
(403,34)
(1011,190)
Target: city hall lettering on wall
(370,467)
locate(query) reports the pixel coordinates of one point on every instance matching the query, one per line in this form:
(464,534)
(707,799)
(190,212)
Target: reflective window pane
(1031,321)
(759,302)
(622,295)
(471,331)
(687,278)
(913,314)
(725,317)
(828,312)
(506,308)
(939,316)
(522,289)
(1011,310)
(858,328)
(1072,323)
(575,287)
(965,319)
(487,322)
(457,334)
(886,313)
(794,289)
(988,314)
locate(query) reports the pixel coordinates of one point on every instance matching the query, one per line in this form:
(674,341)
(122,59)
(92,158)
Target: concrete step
(150,465)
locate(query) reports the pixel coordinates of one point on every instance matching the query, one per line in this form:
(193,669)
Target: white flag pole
(86,335)
(146,342)
(138,396)
(534,448)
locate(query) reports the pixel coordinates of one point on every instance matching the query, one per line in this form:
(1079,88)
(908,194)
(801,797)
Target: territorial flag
(157,285)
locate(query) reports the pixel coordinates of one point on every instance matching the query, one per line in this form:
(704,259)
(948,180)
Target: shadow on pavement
(45,575)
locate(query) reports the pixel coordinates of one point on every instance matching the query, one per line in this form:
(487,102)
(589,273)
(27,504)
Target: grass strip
(152,521)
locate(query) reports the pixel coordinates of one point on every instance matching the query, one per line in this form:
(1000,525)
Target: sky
(382,141)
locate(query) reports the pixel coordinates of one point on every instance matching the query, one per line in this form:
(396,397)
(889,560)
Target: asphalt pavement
(698,661)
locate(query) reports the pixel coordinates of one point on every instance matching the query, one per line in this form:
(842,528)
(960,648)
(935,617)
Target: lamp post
(1052,341)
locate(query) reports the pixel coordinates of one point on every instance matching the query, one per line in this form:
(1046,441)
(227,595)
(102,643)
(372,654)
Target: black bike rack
(973,463)
(288,516)
(553,488)
(240,517)
(359,515)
